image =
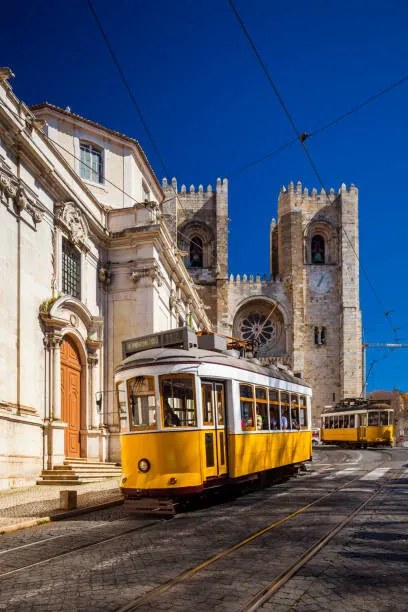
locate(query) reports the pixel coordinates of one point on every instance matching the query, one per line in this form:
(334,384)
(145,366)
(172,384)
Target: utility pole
(365,346)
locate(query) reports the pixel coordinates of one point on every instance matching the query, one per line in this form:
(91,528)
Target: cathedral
(95,250)
(306,315)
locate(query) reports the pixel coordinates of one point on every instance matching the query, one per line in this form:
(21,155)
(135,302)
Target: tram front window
(178,400)
(142,403)
(384,418)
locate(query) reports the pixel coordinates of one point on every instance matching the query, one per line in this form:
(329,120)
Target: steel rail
(262,596)
(76,548)
(143,599)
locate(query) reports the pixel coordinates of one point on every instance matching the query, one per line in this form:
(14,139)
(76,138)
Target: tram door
(213,403)
(362,430)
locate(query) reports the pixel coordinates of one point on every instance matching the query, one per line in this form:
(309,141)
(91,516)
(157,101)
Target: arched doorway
(71,397)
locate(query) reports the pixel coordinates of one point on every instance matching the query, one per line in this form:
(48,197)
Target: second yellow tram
(358,423)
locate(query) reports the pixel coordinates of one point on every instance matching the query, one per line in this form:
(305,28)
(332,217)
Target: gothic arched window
(318,250)
(196,252)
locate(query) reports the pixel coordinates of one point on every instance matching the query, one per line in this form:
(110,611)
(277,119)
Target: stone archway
(71,397)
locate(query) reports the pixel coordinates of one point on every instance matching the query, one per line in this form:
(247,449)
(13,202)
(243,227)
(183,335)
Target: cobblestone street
(107,561)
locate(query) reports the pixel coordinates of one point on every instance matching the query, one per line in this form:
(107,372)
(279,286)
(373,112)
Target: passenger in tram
(284,421)
(274,423)
(170,417)
(295,424)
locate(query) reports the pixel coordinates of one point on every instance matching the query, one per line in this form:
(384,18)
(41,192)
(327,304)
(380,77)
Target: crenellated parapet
(221,186)
(251,279)
(296,198)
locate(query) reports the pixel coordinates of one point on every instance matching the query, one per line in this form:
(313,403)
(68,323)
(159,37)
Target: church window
(319,335)
(318,250)
(91,166)
(196,252)
(71,269)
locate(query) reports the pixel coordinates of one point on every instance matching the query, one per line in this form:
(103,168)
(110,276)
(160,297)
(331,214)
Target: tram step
(150,505)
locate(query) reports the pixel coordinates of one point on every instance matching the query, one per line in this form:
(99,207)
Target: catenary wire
(76,158)
(302,138)
(134,101)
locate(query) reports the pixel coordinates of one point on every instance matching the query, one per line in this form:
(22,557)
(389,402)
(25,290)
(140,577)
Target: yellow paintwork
(180,455)
(347,434)
(172,454)
(367,434)
(249,453)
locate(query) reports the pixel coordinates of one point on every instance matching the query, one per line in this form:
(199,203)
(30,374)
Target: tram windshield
(178,400)
(379,418)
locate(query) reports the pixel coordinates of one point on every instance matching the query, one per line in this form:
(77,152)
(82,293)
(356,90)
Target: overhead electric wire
(76,158)
(135,103)
(302,138)
(326,126)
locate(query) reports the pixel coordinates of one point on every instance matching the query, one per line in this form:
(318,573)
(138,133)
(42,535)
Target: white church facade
(86,261)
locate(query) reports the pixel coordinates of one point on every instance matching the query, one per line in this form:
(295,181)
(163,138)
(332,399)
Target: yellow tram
(199,416)
(358,423)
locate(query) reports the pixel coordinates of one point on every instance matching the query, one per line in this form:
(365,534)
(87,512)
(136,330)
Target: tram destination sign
(182,337)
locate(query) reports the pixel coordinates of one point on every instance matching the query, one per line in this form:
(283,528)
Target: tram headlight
(144,465)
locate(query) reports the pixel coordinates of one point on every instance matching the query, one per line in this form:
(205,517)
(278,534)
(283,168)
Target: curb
(24,524)
(67,514)
(58,517)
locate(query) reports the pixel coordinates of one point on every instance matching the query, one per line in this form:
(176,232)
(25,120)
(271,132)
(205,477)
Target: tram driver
(171,419)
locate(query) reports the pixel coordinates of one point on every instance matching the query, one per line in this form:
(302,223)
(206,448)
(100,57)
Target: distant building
(306,315)
(86,261)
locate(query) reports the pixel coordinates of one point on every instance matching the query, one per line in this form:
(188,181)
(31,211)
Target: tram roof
(196,355)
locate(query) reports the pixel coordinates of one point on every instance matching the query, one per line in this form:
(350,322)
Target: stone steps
(79,471)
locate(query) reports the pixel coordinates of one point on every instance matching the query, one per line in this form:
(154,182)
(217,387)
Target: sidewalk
(29,506)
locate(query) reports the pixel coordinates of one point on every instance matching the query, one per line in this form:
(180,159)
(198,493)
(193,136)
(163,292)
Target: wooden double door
(71,397)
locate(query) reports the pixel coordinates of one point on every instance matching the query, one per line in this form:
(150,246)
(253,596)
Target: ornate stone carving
(52,340)
(71,218)
(153,271)
(12,192)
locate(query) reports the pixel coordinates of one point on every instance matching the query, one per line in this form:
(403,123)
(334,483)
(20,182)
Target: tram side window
(285,410)
(341,421)
(346,421)
(373,419)
(122,413)
(274,414)
(207,401)
(142,403)
(352,420)
(294,412)
(178,400)
(261,395)
(302,412)
(246,394)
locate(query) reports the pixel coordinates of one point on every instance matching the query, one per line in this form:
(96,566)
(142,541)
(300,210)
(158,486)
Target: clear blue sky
(211,111)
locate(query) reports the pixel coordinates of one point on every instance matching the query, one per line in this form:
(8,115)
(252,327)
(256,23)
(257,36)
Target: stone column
(56,411)
(94,418)
(52,344)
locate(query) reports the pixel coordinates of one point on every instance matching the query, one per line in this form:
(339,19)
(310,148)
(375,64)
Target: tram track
(72,550)
(261,596)
(134,604)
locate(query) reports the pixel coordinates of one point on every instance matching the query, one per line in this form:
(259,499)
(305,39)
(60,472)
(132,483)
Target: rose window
(258,327)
